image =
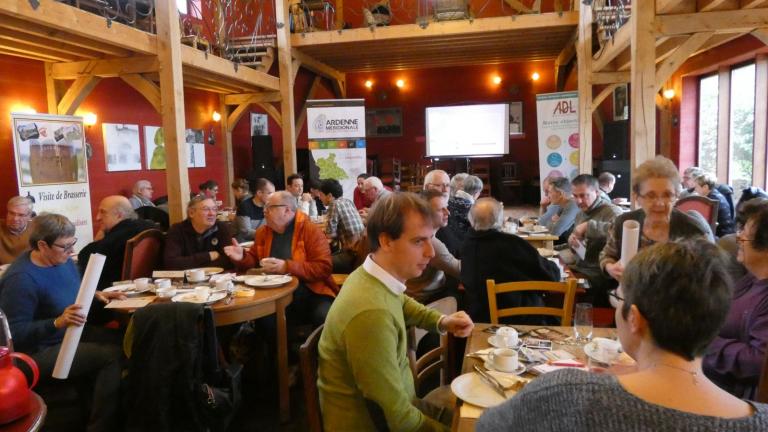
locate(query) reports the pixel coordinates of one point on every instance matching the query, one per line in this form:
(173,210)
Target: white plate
(546,253)
(211,270)
(192,297)
(470,388)
(592,352)
(127,289)
(267,281)
(500,344)
(534,229)
(520,369)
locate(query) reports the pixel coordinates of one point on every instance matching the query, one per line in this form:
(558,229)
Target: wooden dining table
(465,415)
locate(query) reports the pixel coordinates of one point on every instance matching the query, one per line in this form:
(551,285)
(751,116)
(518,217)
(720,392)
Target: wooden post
(643,78)
(51,90)
(226,140)
(172,97)
(584,53)
(761,121)
(285,62)
(723,123)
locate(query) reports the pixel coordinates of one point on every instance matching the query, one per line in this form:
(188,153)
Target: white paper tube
(84,299)
(629,241)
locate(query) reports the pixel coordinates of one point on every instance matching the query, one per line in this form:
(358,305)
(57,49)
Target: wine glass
(582,322)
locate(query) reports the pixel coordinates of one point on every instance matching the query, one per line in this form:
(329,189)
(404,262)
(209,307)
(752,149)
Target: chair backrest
(567,288)
(703,205)
(156,215)
(142,254)
(308,356)
(439,359)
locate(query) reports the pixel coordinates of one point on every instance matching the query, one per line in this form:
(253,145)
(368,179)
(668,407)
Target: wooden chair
(142,254)
(567,288)
(308,357)
(704,206)
(439,359)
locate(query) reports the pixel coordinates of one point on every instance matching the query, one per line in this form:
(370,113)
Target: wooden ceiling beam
(618,45)
(674,6)
(679,56)
(105,68)
(249,98)
(436,29)
(713,5)
(214,65)
(76,94)
(316,66)
(55,14)
(55,45)
(146,88)
(599,78)
(761,34)
(732,21)
(45,53)
(24,54)
(751,4)
(21,26)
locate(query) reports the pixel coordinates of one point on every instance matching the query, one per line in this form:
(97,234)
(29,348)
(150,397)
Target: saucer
(520,368)
(498,344)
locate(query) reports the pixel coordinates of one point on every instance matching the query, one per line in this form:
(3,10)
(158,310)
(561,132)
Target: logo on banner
(323,124)
(320,123)
(564,107)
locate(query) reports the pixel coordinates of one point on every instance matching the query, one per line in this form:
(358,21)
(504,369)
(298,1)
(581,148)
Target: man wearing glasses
(291,243)
(199,240)
(14,235)
(438,180)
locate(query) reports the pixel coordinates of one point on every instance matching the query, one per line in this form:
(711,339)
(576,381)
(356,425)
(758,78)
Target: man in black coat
(488,253)
(118,224)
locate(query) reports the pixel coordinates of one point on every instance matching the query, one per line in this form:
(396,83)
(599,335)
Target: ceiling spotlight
(369,84)
(669,93)
(400,83)
(216,116)
(496,79)
(535,76)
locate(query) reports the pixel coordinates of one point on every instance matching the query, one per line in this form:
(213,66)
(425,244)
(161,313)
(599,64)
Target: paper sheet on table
(84,298)
(133,303)
(468,410)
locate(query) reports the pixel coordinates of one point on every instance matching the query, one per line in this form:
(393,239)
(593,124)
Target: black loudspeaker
(621,169)
(262,160)
(616,140)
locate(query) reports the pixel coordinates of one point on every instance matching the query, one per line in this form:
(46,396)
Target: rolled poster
(84,299)
(629,241)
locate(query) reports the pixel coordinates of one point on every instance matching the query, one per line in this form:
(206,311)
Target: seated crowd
(699,344)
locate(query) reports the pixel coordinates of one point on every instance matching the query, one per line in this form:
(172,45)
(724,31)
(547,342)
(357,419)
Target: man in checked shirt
(343,225)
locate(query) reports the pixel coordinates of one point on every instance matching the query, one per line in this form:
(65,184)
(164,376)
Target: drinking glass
(582,322)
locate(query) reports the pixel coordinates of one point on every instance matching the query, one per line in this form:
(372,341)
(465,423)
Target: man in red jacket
(291,243)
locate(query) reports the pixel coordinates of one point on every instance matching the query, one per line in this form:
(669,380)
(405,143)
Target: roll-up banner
(557,117)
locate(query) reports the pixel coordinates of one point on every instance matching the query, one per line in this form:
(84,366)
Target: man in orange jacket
(291,243)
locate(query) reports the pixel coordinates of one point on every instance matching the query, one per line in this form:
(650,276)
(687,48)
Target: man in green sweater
(364,376)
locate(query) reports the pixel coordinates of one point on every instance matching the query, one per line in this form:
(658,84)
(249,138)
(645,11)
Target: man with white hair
(14,236)
(373,189)
(457,182)
(142,194)
(489,253)
(438,180)
(117,224)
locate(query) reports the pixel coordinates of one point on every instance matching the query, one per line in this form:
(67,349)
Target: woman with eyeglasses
(656,186)
(673,300)
(37,294)
(735,358)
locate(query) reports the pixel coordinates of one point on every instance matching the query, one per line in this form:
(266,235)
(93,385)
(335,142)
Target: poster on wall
(259,124)
(52,169)
(122,148)
(154,143)
(558,126)
(196,148)
(336,132)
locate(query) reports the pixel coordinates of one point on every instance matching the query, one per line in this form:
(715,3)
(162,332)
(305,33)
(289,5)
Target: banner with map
(557,116)
(336,132)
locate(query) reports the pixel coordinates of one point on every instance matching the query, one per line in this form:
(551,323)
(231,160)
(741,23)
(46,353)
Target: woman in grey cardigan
(673,300)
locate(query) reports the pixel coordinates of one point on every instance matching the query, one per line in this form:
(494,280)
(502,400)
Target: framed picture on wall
(384,122)
(620,103)
(122,148)
(259,125)
(154,141)
(195,148)
(515,118)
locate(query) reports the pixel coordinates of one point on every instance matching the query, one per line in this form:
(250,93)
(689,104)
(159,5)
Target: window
(708,123)
(181,5)
(742,128)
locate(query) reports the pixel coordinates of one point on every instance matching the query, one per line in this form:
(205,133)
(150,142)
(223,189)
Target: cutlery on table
(491,381)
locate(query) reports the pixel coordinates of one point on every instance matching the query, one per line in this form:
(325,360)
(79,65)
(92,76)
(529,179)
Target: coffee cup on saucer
(504,359)
(142,284)
(162,284)
(507,336)
(224,285)
(203,292)
(195,275)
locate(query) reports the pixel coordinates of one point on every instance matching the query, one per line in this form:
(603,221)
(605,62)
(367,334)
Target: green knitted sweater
(363,356)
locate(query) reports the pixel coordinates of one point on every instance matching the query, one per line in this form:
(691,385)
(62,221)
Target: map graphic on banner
(52,169)
(336,132)
(557,116)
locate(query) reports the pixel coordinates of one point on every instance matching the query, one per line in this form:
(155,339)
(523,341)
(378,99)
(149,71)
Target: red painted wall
(22,83)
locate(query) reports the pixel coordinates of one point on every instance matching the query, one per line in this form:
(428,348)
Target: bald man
(117,224)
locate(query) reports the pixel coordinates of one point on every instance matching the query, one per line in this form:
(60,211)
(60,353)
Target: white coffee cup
(224,285)
(142,284)
(203,291)
(503,359)
(162,284)
(507,336)
(194,275)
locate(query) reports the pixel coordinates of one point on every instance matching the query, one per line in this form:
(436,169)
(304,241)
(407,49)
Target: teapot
(15,393)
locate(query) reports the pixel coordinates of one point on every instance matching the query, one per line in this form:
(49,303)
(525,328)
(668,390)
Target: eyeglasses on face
(66,248)
(443,186)
(615,294)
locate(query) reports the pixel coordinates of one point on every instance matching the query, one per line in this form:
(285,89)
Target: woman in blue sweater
(37,293)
